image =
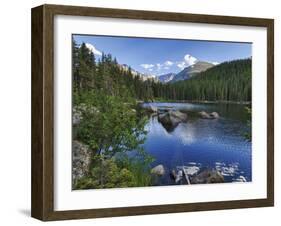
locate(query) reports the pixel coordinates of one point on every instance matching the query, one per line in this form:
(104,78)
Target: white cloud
(159,66)
(93,49)
(189,60)
(147,66)
(215,63)
(181,65)
(166,68)
(150,69)
(168,63)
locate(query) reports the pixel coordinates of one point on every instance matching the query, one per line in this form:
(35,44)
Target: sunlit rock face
(166,77)
(192,70)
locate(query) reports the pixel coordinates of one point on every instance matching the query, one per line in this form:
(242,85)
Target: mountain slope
(142,76)
(192,70)
(226,81)
(166,77)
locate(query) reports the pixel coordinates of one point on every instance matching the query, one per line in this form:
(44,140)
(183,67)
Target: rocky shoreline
(199,101)
(180,175)
(188,175)
(170,118)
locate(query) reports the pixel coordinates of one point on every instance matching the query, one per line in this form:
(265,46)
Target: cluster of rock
(190,175)
(208,176)
(81,160)
(168,117)
(205,115)
(171,118)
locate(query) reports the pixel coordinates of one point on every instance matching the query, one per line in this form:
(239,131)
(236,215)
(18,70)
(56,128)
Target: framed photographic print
(141,112)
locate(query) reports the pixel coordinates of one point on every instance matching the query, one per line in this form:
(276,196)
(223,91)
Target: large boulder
(208,176)
(170,120)
(205,115)
(177,114)
(158,170)
(81,160)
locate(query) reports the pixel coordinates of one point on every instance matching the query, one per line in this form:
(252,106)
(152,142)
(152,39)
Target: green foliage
(106,174)
(112,173)
(105,95)
(139,165)
(108,124)
(83,66)
(227,81)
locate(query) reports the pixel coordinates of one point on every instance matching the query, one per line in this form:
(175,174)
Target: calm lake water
(202,143)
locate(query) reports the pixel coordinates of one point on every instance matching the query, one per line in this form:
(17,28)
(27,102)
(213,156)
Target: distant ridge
(166,77)
(192,70)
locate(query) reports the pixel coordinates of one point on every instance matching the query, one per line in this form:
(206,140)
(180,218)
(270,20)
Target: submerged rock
(208,176)
(240,179)
(190,170)
(158,170)
(173,174)
(170,120)
(179,176)
(205,115)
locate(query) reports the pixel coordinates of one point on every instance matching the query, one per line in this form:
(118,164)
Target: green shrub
(109,174)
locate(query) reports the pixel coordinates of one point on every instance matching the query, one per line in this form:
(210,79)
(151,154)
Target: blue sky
(161,56)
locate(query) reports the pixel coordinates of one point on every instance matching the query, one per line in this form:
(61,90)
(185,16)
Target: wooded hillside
(229,81)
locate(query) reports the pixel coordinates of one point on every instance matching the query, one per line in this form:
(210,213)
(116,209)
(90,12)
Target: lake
(202,143)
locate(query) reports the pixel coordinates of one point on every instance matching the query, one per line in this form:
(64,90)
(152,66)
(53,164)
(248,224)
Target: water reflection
(200,143)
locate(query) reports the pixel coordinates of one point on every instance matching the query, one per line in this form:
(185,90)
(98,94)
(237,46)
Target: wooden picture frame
(43,108)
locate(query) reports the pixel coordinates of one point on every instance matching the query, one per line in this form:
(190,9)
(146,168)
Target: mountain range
(142,76)
(187,73)
(167,77)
